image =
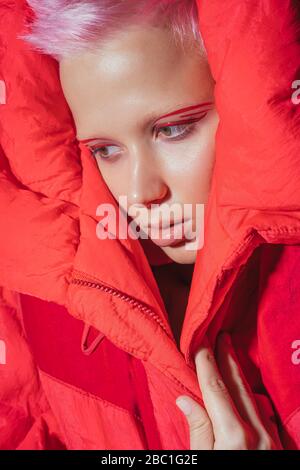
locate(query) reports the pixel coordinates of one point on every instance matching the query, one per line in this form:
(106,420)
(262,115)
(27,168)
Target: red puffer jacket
(87,356)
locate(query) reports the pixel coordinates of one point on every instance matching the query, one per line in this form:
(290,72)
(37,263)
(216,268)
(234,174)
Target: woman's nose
(147,185)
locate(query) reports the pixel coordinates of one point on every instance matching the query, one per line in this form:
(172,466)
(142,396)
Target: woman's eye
(172,133)
(167,130)
(178,131)
(103,151)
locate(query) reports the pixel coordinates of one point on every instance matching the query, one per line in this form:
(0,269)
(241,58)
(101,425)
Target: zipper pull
(91,348)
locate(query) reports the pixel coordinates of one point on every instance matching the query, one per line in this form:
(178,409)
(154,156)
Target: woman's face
(119,96)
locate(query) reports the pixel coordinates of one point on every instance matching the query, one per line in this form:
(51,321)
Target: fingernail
(184,405)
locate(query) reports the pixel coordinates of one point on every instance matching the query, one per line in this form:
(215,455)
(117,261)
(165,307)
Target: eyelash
(189,130)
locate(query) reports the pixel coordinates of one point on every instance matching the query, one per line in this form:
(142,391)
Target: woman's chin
(181,253)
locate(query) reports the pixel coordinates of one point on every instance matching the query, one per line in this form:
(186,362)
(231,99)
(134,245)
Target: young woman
(137,116)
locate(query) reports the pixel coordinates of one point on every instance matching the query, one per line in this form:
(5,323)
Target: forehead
(132,74)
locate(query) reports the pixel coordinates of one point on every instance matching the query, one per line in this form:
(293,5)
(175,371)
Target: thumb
(201,430)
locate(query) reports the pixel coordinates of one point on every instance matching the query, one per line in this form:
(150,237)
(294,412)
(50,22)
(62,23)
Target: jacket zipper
(84,280)
(77,279)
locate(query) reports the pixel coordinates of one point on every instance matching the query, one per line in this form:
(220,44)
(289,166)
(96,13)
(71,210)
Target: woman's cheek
(111,176)
(197,171)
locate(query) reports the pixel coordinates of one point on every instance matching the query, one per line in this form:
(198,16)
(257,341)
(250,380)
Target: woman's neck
(174,281)
(184,272)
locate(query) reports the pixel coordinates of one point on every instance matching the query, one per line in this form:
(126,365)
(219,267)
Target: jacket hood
(50,187)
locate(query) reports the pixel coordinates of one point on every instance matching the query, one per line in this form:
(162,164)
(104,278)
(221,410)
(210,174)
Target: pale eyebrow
(187,111)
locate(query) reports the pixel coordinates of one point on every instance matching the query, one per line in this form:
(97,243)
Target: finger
(201,432)
(239,389)
(218,403)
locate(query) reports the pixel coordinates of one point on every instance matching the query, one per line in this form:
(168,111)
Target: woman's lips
(171,235)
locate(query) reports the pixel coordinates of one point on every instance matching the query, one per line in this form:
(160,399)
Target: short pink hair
(64,27)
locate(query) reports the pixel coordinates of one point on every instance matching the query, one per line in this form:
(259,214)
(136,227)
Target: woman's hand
(231,420)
